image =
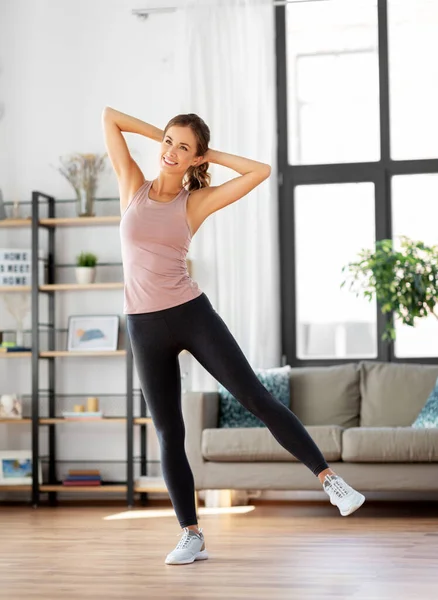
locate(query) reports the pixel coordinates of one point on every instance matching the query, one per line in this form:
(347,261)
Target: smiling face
(178,150)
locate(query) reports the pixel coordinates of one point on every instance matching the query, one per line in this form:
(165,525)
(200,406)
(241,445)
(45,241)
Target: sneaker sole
(354,507)
(203,555)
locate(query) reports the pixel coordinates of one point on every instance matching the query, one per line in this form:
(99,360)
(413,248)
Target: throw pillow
(428,416)
(233,414)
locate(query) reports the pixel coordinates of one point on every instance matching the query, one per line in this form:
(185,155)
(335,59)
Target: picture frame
(16,468)
(93,333)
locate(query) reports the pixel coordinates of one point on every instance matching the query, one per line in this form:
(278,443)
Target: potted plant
(405,282)
(82,171)
(86,267)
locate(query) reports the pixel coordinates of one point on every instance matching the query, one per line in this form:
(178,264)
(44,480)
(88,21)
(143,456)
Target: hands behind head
(206,158)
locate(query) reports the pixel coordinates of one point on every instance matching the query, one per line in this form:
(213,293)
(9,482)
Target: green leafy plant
(86,259)
(404,282)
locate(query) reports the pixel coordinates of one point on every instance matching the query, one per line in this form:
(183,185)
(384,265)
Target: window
(333,82)
(413,48)
(415,214)
(357,91)
(333,223)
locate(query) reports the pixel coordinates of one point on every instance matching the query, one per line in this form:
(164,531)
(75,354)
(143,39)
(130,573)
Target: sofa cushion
(233,414)
(326,395)
(258,444)
(389,444)
(428,416)
(394,393)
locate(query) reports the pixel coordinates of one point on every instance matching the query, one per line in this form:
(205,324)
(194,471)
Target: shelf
(15,354)
(15,488)
(59,353)
(15,222)
(63,287)
(98,460)
(11,289)
(55,420)
(89,488)
(78,221)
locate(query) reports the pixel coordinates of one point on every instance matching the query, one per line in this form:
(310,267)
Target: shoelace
(340,487)
(185,540)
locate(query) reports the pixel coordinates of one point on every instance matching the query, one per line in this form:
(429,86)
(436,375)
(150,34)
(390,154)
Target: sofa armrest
(200,411)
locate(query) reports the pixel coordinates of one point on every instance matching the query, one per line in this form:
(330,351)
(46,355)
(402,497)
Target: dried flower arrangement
(82,171)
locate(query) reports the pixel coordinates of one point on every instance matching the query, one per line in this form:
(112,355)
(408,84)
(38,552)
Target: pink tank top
(155,238)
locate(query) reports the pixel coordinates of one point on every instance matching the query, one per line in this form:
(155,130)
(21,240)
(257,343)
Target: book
(84,472)
(15,349)
(82,478)
(81,483)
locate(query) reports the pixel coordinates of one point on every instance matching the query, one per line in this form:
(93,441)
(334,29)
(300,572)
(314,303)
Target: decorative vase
(19,333)
(85,200)
(85,275)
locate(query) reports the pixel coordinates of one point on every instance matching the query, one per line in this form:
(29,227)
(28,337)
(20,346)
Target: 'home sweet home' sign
(15,267)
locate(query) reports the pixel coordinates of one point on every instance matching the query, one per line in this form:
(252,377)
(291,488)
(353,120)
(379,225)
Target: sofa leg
(196,501)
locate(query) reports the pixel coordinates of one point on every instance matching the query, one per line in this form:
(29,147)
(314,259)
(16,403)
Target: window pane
(333,223)
(415,214)
(332,82)
(413,78)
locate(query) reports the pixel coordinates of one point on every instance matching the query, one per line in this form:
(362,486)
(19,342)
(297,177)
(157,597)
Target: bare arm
(240,164)
(129,174)
(133,125)
(209,200)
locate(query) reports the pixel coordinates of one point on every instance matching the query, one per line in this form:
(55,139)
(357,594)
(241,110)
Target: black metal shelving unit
(37,199)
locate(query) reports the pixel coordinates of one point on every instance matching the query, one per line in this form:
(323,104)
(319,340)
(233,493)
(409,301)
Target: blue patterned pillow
(428,416)
(233,414)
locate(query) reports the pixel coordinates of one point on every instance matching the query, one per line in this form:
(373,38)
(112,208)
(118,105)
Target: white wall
(62,62)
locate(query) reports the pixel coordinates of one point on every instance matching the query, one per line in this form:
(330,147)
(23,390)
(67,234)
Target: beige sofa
(359,414)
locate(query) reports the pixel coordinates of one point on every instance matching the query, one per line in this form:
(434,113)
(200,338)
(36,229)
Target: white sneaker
(191,547)
(342,495)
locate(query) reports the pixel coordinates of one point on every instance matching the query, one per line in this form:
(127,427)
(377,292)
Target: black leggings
(156,339)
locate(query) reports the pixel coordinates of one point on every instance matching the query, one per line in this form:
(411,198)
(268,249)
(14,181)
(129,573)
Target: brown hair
(195,177)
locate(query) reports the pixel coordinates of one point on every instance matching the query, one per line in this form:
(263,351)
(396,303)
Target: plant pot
(85,275)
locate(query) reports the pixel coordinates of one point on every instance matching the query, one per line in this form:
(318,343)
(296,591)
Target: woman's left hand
(208,157)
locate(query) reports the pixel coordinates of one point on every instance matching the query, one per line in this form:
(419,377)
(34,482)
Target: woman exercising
(167,312)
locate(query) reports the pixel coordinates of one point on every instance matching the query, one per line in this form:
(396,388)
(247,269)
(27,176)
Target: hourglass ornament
(18,305)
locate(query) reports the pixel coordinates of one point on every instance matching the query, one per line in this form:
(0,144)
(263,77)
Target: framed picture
(10,406)
(92,333)
(16,468)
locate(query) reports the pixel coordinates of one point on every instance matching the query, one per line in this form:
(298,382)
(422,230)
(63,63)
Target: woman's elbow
(266,171)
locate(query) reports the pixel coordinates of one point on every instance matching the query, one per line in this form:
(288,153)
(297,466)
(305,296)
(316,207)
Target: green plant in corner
(405,282)
(86,259)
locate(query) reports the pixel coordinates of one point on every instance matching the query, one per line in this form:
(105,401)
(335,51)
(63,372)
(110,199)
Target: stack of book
(83,477)
(12,347)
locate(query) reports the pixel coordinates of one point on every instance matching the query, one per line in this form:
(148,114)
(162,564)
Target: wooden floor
(384,551)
